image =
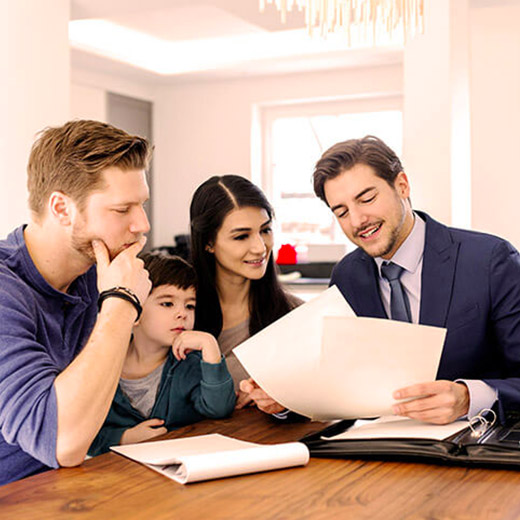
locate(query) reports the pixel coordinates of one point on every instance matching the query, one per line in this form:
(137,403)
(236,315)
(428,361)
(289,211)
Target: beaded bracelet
(125,294)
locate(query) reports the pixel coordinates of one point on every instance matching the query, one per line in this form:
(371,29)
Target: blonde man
(60,361)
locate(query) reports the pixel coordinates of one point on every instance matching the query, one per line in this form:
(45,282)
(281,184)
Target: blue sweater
(41,331)
(189,391)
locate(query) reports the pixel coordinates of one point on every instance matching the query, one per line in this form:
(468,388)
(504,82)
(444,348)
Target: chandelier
(370,16)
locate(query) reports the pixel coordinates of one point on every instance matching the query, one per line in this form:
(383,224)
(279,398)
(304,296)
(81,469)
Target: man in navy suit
(465,281)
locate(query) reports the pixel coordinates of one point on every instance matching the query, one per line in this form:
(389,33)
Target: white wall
(427,101)
(89,92)
(125,86)
(436,151)
(34,71)
(495,107)
(204,129)
(88,102)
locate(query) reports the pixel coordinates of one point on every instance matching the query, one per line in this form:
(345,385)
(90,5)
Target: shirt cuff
(481,395)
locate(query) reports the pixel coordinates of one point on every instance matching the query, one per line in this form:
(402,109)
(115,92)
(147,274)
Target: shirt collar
(409,255)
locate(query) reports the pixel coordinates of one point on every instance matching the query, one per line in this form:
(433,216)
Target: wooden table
(112,487)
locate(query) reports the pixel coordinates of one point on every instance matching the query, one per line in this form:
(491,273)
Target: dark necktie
(399,304)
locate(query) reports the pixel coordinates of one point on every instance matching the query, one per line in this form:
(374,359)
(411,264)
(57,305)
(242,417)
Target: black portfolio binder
(484,444)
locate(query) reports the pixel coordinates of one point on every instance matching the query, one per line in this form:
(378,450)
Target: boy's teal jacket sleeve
(215,396)
(107,436)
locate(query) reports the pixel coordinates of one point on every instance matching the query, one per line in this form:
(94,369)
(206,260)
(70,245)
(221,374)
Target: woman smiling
(238,292)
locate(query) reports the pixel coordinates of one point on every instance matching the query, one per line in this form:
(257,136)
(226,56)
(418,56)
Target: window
(294,139)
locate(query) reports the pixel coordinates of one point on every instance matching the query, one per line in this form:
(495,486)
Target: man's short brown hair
(72,157)
(369,150)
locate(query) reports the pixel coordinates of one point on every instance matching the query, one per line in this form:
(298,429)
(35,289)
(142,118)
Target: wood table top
(112,487)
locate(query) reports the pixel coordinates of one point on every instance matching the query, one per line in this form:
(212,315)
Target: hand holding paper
(259,397)
(243,400)
(437,402)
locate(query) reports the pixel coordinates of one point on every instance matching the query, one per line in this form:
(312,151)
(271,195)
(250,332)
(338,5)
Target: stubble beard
(393,239)
(82,244)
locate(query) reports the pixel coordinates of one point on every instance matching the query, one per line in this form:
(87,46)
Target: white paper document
(323,362)
(392,427)
(206,457)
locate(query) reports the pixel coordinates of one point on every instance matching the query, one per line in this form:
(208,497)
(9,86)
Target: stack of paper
(392,427)
(323,362)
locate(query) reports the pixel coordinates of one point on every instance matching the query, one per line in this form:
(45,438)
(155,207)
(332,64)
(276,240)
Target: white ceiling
(172,40)
(147,15)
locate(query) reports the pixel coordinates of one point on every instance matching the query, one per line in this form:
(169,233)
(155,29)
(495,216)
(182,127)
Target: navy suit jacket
(470,284)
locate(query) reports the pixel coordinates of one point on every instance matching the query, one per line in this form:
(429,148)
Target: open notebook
(479,441)
(206,457)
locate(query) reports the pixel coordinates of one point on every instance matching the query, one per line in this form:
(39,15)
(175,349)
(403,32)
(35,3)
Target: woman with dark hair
(238,291)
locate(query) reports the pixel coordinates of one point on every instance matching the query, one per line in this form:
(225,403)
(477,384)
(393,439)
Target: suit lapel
(366,288)
(438,272)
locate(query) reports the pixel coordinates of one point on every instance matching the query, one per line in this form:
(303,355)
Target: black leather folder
(487,445)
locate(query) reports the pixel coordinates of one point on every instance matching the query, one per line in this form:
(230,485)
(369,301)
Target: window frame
(266,114)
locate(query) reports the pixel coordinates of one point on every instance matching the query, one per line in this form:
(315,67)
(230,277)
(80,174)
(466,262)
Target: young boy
(172,375)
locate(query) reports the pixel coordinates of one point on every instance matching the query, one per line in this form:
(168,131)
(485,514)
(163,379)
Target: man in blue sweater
(60,361)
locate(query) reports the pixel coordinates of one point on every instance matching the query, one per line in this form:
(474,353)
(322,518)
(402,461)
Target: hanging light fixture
(373,17)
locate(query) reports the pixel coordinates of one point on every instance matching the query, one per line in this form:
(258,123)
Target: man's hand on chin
(125,270)
(438,402)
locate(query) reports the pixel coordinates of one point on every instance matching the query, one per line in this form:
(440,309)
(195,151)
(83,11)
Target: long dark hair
(210,204)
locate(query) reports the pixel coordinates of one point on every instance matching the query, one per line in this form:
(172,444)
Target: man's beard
(82,244)
(392,239)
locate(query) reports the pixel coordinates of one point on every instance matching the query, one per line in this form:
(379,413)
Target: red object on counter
(286,254)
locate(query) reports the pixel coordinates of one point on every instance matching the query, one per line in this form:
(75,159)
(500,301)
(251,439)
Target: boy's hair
(72,157)
(169,270)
